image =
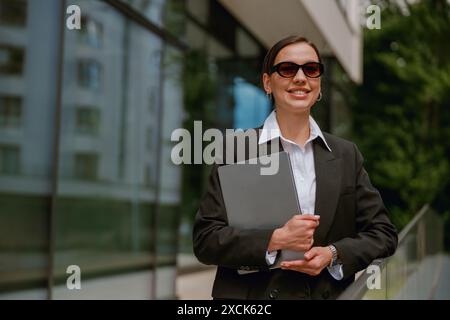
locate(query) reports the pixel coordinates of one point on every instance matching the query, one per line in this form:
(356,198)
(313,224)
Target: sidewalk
(194,280)
(196,285)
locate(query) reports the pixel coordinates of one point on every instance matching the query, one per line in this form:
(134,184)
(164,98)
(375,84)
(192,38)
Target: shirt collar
(271,130)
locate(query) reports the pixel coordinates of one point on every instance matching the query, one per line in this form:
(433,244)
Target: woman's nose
(299,76)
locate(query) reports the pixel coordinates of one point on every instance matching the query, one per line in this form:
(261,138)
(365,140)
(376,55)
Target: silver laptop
(256,201)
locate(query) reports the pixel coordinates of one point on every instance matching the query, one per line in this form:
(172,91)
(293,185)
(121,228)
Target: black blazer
(352,217)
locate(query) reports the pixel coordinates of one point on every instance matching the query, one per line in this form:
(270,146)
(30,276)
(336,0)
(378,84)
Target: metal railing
(413,271)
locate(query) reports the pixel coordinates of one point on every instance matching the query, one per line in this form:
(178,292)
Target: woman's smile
(298,93)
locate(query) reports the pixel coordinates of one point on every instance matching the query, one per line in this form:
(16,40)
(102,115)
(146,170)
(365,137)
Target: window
(89,72)
(91,33)
(10,111)
(11,60)
(13,12)
(86,166)
(9,159)
(87,120)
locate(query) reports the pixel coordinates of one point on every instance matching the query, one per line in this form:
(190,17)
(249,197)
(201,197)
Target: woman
(344,225)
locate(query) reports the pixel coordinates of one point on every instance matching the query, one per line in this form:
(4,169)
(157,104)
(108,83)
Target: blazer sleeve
(217,243)
(376,236)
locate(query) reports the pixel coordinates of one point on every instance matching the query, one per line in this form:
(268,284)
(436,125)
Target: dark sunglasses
(290,69)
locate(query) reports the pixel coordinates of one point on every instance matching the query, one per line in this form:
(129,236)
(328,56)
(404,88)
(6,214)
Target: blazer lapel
(328,179)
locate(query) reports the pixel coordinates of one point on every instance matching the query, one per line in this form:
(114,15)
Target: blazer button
(274,294)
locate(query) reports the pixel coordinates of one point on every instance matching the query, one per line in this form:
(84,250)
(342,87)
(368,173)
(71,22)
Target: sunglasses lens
(312,70)
(288,69)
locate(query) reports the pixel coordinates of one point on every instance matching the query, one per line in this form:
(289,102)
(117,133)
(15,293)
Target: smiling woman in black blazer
(344,225)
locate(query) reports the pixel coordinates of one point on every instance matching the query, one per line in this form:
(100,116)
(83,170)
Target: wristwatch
(334,257)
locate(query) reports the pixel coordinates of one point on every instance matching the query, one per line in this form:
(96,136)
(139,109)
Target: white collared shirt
(302,160)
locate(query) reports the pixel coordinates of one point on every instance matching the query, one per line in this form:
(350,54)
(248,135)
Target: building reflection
(86,118)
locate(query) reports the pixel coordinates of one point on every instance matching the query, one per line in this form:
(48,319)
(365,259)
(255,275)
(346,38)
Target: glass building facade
(86,117)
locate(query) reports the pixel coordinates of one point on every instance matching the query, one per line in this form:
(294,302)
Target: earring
(320,96)
(269,96)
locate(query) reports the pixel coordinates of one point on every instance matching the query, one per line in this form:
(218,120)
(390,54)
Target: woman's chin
(297,108)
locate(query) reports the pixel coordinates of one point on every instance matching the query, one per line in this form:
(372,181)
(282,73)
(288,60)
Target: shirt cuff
(335,271)
(271,257)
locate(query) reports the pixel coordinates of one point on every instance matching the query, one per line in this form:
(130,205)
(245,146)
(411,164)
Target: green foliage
(200,87)
(401,111)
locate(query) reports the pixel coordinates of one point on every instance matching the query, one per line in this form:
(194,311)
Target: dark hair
(269,59)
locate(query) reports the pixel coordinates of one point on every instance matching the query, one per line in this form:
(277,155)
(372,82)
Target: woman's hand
(297,234)
(314,262)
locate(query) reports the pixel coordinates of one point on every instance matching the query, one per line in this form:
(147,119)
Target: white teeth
(299,92)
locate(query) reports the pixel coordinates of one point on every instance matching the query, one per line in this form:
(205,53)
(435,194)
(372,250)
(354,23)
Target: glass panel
(195,36)
(175,17)
(170,177)
(152,9)
(217,50)
(106,198)
(240,101)
(245,45)
(251,106)
(336,98)
(415,271)
(222,88)
(166,14)
(376,283)
(199,9)
(28,73)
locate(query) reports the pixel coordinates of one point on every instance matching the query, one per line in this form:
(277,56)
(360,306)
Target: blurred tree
(200,87)
(401,112)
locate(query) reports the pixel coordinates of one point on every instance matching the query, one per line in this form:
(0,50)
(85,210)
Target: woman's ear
(266,82)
